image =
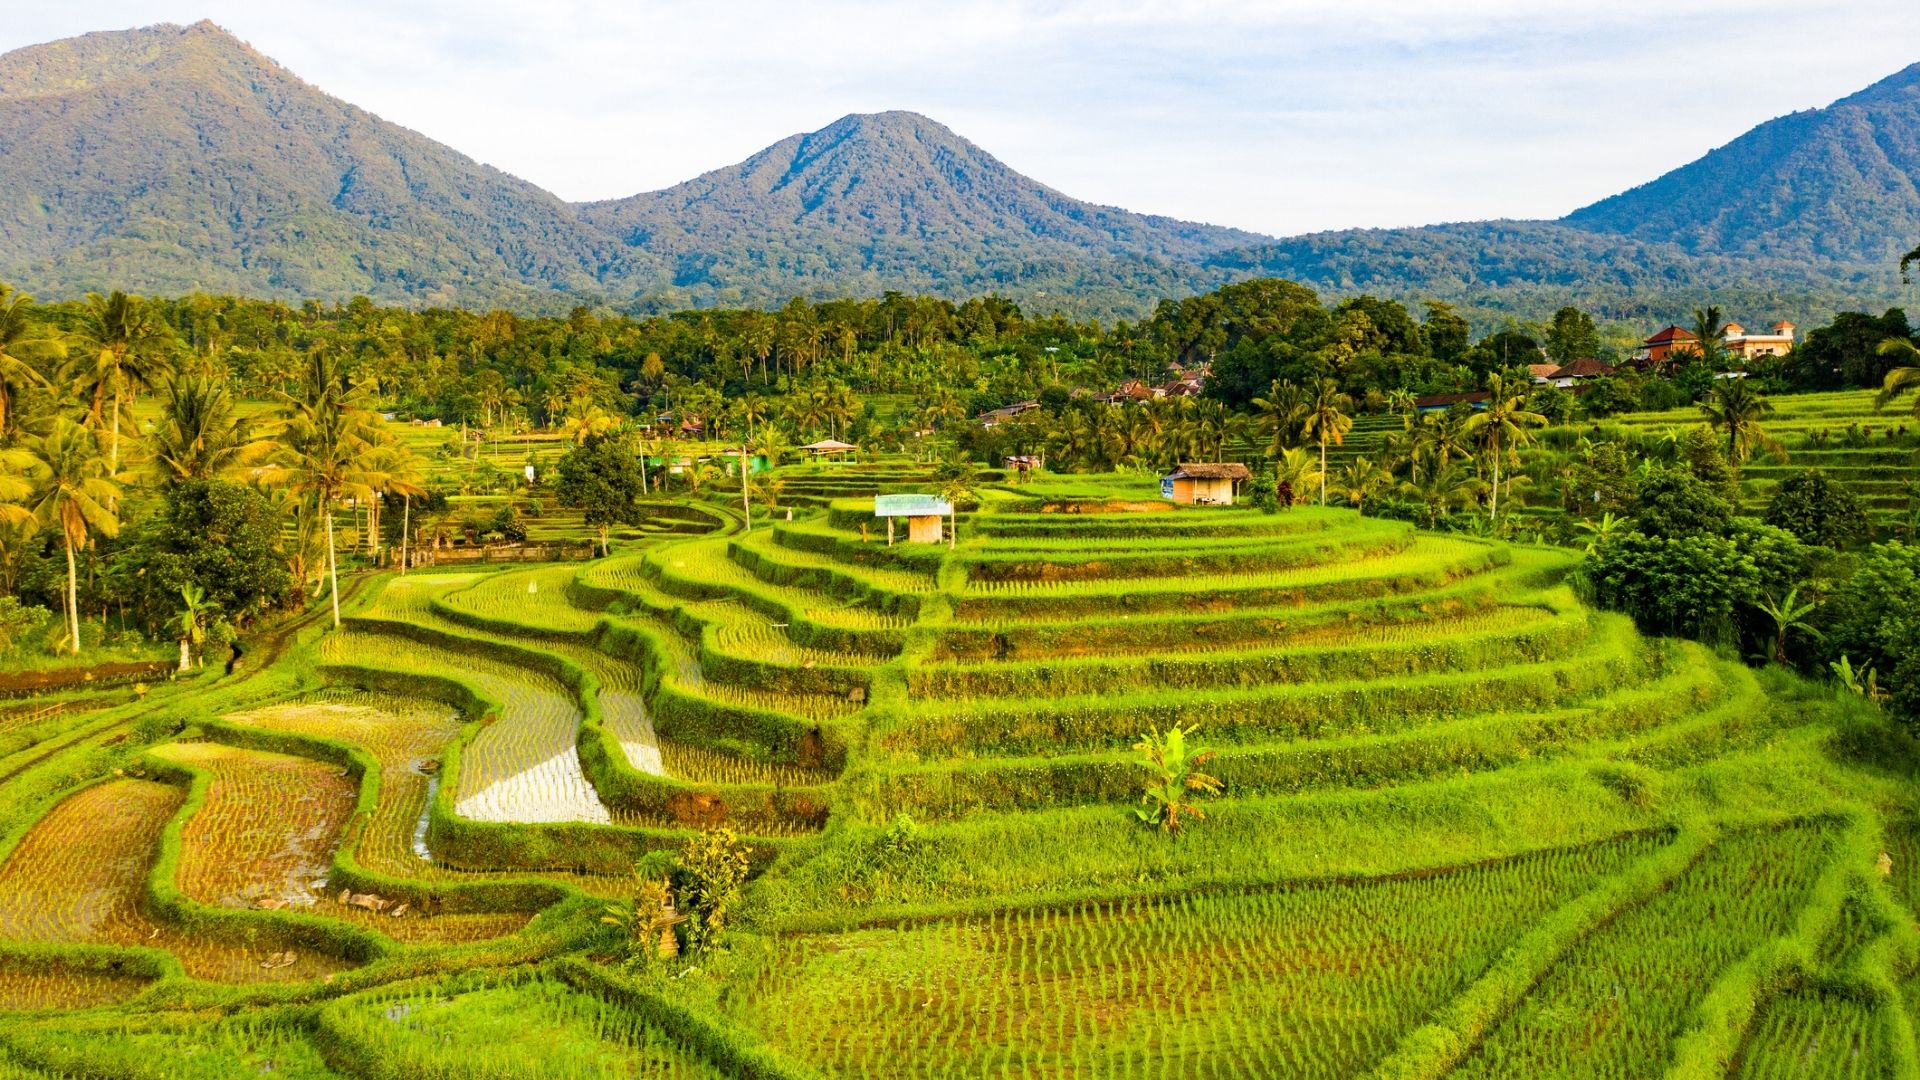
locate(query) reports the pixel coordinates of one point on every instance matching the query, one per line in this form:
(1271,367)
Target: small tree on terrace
(74,490)
(1905,377)
(1173,779)
(1788,615)
(1735,407)
(190,623)
(602,478)
(714,869)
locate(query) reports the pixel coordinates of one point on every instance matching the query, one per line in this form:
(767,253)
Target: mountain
(175,158)
(1797,216)
(1839,184)
(893,200)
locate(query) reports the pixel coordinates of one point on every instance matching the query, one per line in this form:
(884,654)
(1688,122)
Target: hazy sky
(1281,117)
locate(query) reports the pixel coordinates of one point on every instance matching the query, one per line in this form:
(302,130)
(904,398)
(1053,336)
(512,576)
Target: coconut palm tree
(1735,407)
(396,471)
(1360,480)
(115,354)
(1905,377)
(1293,472)
(1326,420)
(1281,414)
(1710,334)
(72,488)
(199,436)
(1501,428)
(320,452)
(1440,491)
(22,342)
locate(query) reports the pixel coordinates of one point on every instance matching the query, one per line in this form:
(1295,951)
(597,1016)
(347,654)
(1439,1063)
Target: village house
(1677,341)
(1572,375)
(1203,483)
(1443,402)
(1778,341)
(995,417)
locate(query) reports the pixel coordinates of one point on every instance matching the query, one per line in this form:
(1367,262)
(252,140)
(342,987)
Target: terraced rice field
(1293,982)
(79,876)
(522,767)
(1467,827)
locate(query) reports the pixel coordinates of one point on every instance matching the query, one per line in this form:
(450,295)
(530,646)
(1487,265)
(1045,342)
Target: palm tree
(1787,616)
(397,470)
(74,489)
(1900,379)
(119,354)
(1294,471)
(1440,491)
(1360,480)
(1501,428)
(1281,413)
(1709,333)
(21,342)
(1734,406)
(191,622)
(1327,419)
(199,436)
(1401,401)
(319,453)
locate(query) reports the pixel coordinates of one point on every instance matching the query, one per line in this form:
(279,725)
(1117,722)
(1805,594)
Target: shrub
(1817,510)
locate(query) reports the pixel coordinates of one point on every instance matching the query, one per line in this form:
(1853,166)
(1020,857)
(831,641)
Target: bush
(1817,510)
(22,626)
(1675,502)
(1689,585)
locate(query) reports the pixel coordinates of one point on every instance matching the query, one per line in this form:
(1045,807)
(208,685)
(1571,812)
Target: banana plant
(1173,778)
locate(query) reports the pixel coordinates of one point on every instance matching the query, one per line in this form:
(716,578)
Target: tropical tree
(1174,779)
(1279,415)
(199,437)
(1735,407)
(1439,491)
(1327,419)
(22,342)
(1361,480)
(1788,615)
(116,352)
(190,623)
(1502,427)
(1710,334)
(397,470)
(1294,471)
(73,489)
(320,453)
(1907,376)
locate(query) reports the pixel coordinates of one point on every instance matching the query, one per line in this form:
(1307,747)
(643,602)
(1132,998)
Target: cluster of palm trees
(1149,434)
(71,463)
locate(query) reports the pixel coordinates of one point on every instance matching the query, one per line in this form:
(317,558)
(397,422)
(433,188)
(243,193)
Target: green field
(1468,826)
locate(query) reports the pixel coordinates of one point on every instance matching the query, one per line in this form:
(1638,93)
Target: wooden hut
(828,448)
(1203,483)
(923,514)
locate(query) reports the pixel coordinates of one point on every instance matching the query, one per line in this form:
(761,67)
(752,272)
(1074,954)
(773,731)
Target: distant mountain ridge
(169,159)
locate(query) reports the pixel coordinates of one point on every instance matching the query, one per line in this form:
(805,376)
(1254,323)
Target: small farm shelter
(923,514)
(1203,483)
(828,448)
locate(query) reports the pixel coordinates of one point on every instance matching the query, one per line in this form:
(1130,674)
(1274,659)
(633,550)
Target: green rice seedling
(175,1049)
(524,766)
(1306,982)
(38,986)
(405,736)
(703,765)
(521,1029)
(265,835)
(1496,638)
(79,875)
(1614,1004)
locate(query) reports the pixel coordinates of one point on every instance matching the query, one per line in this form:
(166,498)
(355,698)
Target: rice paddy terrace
(1469,827)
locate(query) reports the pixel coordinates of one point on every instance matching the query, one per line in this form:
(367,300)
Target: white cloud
(1280,117)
